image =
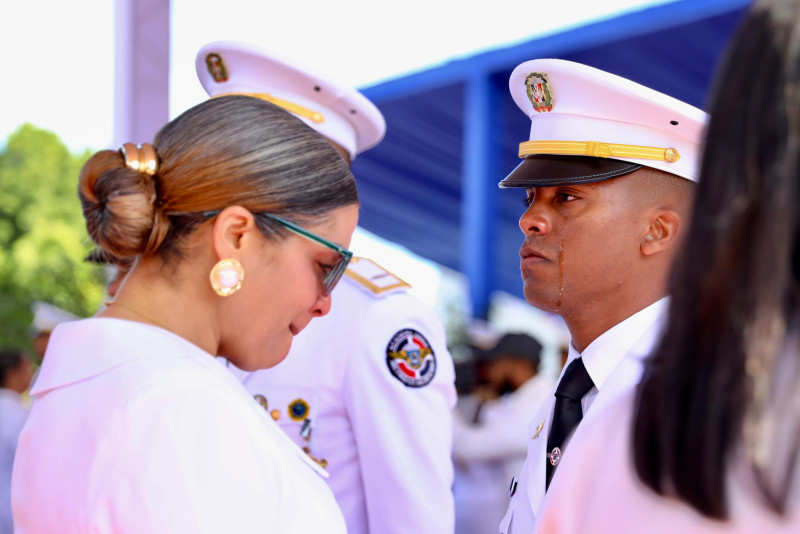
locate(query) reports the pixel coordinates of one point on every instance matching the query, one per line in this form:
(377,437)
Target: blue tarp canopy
(453,133)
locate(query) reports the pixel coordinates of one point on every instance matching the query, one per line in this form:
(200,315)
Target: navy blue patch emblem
(410,358)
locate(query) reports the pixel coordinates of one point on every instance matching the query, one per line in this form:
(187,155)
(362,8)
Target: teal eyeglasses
(331,276)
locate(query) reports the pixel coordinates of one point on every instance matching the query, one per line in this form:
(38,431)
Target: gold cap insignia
(216,67)
(539,92)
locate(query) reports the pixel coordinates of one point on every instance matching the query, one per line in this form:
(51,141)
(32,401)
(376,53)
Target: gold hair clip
(141,158)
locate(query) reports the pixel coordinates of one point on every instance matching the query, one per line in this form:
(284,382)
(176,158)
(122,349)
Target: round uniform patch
(410,358)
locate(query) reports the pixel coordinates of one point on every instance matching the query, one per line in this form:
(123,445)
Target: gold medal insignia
(298,410)
(262,401)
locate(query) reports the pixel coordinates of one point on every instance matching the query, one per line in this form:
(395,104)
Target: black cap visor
(542,170)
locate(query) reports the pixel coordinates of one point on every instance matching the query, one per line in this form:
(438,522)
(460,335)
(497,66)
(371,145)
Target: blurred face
(581,243)
(19,378)
(40,344)
(282,291)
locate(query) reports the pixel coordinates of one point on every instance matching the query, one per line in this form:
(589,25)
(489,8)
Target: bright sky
(58,57)
(58,70)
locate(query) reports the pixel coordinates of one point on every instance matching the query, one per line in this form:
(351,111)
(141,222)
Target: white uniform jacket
(134,429)
(620,503)
(368,389)
(614,362)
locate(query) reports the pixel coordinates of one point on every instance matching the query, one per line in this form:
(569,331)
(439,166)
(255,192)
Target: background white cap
(46,317)
(571,102)
(340,113)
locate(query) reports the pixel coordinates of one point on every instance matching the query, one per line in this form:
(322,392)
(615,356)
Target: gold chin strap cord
(291,107)
(597,150)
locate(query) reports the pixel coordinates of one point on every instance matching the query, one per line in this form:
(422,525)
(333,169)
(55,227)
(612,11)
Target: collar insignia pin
(538,429)
(555,456)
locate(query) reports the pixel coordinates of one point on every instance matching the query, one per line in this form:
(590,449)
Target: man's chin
(540,299)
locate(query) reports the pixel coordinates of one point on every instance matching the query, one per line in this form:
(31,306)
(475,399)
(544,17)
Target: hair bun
(119,205)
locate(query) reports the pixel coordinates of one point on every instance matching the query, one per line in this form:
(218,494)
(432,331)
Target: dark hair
(9,360)
(709,384)
(232,150)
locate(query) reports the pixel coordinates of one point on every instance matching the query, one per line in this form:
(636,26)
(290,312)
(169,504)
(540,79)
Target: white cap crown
(338,112)
(577,110)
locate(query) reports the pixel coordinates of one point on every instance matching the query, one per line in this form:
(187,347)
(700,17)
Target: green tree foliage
(43,238)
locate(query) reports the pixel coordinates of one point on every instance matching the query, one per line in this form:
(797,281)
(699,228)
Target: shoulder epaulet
(374,279)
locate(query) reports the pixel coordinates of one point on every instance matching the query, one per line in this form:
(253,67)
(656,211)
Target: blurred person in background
(16,373)
(237,210)
(367,390)
(45,318)
(710,441)
(489,446)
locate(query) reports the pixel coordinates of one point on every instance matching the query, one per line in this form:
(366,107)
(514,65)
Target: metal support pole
(479,191)
(141,77)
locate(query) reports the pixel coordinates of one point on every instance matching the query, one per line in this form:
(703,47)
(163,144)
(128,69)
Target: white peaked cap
(46,317)
(588,125)
(338,112)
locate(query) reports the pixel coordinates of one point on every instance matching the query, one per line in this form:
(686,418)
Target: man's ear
(232,226)
(662,232)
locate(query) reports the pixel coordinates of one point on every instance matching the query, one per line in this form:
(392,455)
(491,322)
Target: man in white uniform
(367,390)
(608,174)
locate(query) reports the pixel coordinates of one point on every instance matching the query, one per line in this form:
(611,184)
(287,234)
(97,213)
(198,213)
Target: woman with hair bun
(237,211)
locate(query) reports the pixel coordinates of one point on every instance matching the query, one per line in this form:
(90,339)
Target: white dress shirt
(134,429)
(598,478)
(614,362)
(386,443)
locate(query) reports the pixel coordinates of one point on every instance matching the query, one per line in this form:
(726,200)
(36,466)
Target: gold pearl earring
(227,277)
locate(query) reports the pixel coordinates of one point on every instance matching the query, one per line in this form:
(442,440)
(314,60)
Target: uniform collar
(82,349)
(604,353)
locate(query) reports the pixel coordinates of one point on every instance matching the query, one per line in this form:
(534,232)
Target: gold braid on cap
(140,158)
(291,107)
(598,150)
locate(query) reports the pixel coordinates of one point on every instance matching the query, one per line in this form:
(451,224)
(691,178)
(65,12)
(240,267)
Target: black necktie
(567,413)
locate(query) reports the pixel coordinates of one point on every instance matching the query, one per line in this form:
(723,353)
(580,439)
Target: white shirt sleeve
(403,433)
